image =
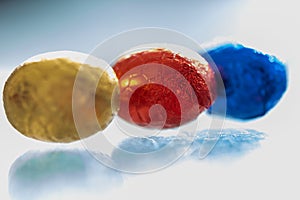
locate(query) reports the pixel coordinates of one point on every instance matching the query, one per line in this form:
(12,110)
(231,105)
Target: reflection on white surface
(231,144)
(60,174)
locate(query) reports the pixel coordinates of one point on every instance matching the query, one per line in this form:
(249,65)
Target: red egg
(162,89)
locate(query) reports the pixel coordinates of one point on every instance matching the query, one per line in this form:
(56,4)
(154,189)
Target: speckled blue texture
(254,82)
(144,145)
(229,143)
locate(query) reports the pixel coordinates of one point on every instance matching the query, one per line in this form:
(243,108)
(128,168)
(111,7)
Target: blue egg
(254,82)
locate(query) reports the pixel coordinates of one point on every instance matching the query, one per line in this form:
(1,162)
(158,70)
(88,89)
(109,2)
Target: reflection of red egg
(162,89)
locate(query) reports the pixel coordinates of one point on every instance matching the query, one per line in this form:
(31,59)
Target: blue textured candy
(254,82)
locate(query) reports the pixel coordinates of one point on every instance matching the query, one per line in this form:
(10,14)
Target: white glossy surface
(271,172)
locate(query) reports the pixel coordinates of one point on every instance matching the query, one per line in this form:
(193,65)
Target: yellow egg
(38,99)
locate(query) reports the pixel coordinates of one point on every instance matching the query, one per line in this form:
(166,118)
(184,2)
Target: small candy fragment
(38,99)
(254,82)
(183,87)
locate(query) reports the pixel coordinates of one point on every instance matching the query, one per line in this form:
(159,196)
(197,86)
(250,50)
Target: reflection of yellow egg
(38,99)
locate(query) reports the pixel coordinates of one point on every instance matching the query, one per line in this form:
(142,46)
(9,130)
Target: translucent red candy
(182,87)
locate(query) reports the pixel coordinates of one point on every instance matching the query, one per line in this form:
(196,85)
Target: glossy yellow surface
(38,100)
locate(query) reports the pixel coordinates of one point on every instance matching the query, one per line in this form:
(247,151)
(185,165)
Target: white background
(271,172)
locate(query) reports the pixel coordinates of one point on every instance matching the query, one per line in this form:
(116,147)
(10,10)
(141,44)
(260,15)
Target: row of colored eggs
(154,88)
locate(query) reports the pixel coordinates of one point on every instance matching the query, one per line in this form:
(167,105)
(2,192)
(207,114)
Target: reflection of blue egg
(55,174)
(215,144)
(229,143)
(254,82)
(144,145)
(148,154)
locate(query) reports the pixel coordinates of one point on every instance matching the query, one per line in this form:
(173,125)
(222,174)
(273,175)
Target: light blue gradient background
(33,27)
